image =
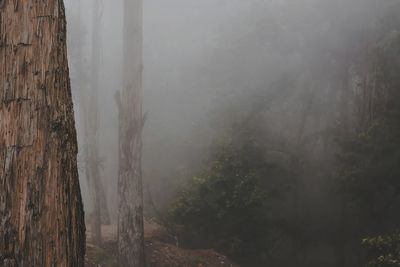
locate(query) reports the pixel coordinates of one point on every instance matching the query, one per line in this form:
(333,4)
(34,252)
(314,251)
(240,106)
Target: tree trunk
(345,101)
(130,217)
(88,101)
(41,213)
(91,135)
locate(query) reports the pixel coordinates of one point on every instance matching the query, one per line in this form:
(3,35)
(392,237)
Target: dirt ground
(161,251)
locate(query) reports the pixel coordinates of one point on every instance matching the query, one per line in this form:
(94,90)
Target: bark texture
(130,219)
(41,213)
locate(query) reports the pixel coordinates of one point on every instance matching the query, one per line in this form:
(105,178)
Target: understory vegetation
(226,205)
(253,200)
(271,131)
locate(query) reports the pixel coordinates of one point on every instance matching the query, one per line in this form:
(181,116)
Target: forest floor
(160,251)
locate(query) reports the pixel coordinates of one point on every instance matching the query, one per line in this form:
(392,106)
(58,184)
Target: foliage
(370,158)
(384,250)
(371,167)
(226,206)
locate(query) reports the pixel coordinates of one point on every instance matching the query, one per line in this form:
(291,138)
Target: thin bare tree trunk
(345,122)
(96,63)
(41,213)
(130,217)
(88,101)
(92,137)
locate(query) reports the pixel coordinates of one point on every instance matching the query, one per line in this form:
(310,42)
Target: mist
(281,80)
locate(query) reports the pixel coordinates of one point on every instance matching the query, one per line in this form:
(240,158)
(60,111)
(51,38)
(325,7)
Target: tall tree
(86,79)
(130,216)
(41,213)
(91,120)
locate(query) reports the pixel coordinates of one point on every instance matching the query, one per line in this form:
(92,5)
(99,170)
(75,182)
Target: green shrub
(225,207)
(384,251)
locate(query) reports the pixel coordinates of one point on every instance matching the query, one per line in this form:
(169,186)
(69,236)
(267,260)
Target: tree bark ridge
(41,213)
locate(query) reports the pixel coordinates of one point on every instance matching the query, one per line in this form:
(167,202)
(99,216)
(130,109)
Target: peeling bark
(41,213)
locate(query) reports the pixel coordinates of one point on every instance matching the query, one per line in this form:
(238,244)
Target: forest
(187,133)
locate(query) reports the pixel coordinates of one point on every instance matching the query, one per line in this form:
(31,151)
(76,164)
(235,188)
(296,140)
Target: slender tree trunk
(89,111)
(41,213)
(96,62)
(345,122)
(92,137)
(130,217)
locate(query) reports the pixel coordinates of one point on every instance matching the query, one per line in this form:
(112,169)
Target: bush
(225,207)
(384,251)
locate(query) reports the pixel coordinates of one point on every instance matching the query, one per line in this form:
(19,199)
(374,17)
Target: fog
(270,69)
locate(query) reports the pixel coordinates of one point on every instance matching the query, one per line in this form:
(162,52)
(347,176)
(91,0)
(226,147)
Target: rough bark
(41,213)
(130,217)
